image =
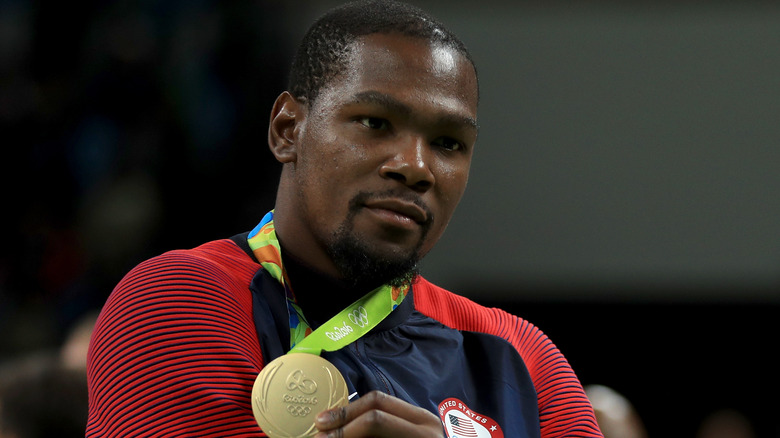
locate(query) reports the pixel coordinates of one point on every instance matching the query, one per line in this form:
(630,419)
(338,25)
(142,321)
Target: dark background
(623,197)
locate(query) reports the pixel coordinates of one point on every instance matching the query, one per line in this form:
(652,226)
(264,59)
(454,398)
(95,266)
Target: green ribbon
(346,326)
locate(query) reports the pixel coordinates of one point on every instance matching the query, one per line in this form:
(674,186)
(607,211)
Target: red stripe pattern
(564,410)
(174,352)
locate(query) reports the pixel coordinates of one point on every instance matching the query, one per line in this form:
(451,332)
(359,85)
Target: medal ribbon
(346,326)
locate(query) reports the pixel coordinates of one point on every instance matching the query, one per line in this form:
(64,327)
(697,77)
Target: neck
(290,226)
(319,294)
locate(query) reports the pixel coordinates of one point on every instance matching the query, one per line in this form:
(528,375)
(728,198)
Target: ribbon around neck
(342,329)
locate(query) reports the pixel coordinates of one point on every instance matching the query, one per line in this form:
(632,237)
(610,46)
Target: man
(376,134)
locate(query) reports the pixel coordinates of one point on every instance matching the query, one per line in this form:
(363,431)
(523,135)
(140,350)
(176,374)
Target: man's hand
(378,415)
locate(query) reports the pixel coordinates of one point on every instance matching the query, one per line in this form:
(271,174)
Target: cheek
(325,185)
(334,160)
(450,188)
(451,183)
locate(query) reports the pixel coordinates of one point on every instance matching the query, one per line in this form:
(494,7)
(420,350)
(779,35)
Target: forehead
(408,68)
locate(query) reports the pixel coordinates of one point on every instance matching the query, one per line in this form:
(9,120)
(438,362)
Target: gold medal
(291,390)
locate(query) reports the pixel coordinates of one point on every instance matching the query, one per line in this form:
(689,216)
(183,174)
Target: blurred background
(623,194)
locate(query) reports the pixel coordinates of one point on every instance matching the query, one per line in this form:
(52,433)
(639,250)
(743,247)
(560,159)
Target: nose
(410,164)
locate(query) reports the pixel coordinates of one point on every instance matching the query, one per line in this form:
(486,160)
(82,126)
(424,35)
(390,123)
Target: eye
(448,143)
(373,122)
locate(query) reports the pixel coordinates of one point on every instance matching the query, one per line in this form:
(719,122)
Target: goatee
(363,266)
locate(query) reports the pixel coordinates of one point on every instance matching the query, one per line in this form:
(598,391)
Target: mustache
(359,200)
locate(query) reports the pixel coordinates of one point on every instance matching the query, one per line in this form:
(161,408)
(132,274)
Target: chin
(361,263)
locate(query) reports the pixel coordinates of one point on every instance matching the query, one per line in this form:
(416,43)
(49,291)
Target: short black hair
(323,52)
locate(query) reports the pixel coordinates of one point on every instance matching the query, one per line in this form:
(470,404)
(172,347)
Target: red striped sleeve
(174,351)
(564,410)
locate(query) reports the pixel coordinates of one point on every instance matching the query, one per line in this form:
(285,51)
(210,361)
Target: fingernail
(325,417)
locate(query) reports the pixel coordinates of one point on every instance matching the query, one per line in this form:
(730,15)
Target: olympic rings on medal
(298,411)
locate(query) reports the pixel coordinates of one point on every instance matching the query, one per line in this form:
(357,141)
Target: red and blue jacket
(182,337)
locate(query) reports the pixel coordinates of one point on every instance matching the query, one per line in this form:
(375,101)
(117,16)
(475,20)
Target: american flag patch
(460,421)
(461,427)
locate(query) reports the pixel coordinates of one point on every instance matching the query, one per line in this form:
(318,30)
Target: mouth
(399,211)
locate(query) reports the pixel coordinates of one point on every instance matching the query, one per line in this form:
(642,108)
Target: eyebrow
(393,104)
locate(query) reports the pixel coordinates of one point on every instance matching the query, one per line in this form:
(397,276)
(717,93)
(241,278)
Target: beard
(363,265)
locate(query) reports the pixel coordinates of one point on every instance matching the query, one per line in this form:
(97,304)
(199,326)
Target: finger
(374,400)
(380,424)
(377,410)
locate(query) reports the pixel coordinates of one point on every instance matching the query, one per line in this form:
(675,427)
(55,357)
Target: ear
(287,116)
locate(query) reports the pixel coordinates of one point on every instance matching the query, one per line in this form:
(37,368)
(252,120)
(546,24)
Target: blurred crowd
(618,418)
(44,393)
(125,126)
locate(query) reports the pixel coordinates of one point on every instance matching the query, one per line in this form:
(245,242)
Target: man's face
(383,153)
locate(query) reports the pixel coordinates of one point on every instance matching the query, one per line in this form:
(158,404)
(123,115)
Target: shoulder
(220,264)
(461,313)
(176,331)
(221,257)
(211,280)
(564,410)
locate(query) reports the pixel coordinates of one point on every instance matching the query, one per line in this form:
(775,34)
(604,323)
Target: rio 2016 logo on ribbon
(339,332)
(359,317)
